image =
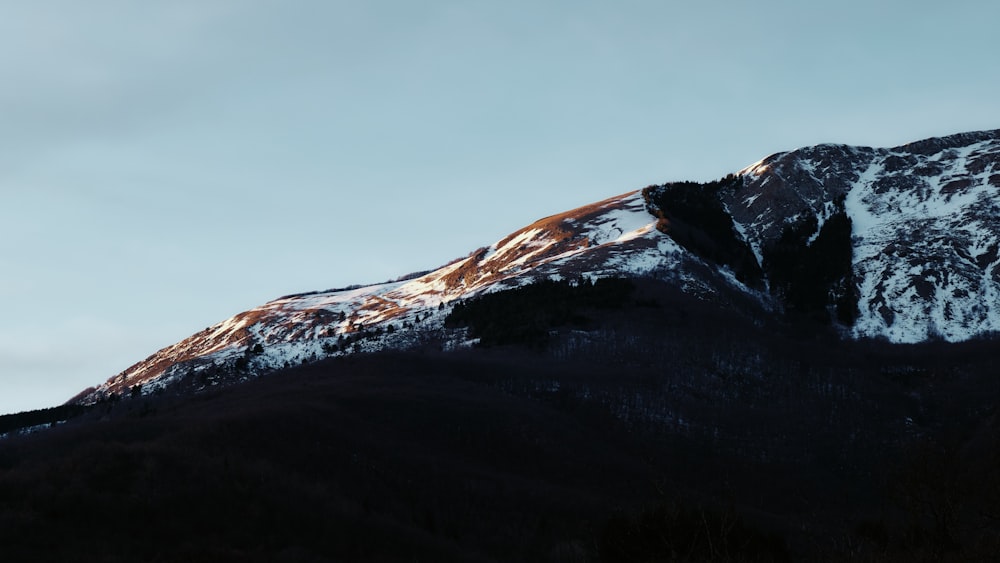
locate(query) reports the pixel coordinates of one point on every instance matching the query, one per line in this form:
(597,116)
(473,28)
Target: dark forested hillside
(661,428)
(528,314)
(692,214)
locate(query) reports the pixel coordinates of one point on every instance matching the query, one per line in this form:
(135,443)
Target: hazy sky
(167,164)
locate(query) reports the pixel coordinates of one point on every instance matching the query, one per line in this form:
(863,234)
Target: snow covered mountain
(925,228)
(900,243)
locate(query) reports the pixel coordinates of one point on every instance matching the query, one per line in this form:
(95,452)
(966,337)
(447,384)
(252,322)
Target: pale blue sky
(166,164)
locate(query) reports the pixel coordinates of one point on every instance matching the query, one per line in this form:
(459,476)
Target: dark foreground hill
(649,428)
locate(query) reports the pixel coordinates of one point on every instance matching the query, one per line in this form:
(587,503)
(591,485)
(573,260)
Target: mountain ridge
(896,243)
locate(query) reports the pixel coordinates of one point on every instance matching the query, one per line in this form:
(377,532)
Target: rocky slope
(924,228)
(899,243)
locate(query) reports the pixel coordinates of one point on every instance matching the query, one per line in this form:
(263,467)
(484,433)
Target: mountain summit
(901,244)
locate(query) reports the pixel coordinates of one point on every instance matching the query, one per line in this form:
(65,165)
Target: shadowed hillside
(658,428)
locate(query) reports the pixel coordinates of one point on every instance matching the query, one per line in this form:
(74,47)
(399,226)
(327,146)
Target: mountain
(924,230)
(795,362)
(899,244)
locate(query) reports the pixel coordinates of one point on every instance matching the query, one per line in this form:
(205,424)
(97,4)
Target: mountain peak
(934,145)
(899,243)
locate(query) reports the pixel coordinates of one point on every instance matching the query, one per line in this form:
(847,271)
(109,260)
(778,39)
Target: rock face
(924,228)
(900,243)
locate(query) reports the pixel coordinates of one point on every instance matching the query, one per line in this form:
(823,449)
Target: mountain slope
(925,232)
(612,237)
(899,243)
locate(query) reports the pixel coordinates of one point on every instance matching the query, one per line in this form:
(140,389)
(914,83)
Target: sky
(165,165)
